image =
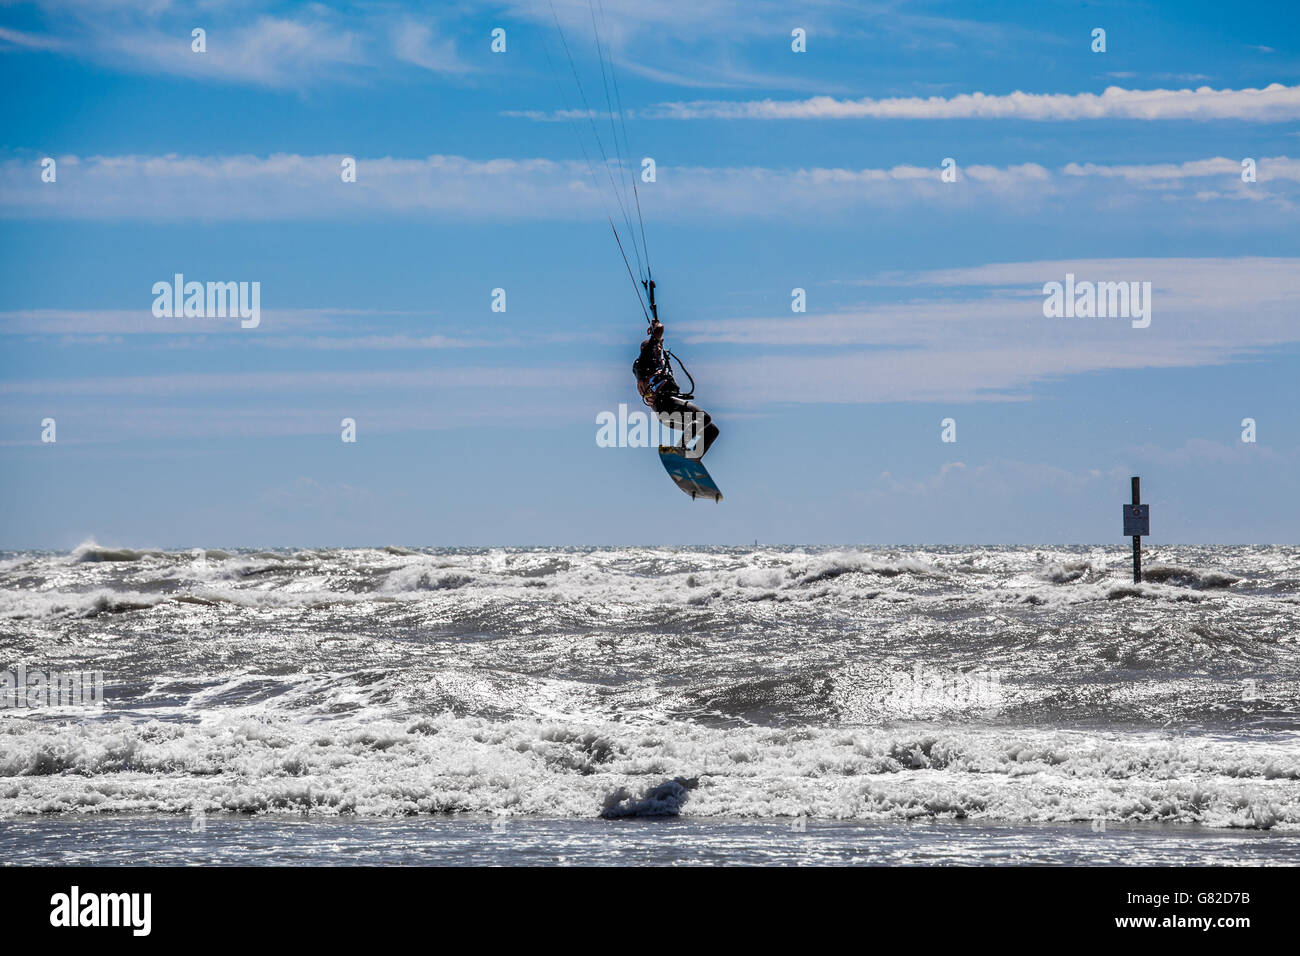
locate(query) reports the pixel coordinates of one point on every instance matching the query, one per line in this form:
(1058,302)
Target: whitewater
(787,704)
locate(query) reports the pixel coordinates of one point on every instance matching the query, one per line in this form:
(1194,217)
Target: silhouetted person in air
(659,390)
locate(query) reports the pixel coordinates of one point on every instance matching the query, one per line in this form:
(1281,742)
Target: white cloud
(691,43)
(994,343)
(723,43)
(271,51)
(1200,452)
(1274,103)
(1268,169)
(99,421)
(351,343)
(29,41)
(141,320)
(990,344)
(388,380)
(247,43)
(296,188)
(420,44)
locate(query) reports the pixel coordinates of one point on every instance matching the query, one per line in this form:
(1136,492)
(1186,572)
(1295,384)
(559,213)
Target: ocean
(644,705)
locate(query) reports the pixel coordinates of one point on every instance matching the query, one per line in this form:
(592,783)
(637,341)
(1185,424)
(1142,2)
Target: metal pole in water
(1137,522)
(1137,538)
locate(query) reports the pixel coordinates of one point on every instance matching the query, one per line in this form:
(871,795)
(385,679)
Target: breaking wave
(1003,684)
(453,765)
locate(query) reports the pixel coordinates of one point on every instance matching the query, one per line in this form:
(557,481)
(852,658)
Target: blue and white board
(689,474)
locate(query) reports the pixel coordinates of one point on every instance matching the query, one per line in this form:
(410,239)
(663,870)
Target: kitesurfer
(659,390)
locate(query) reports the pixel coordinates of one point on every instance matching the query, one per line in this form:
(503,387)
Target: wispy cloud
(142,321)
(261,42)
(994,342)
(492,377)
(692,43)
(422,45)
(931,343)
(1274,103)
(294,402)
(28,41)
(291,187)
(253,44)
(351,343)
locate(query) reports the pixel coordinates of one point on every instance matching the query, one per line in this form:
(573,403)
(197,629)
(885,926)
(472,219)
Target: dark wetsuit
(654,380)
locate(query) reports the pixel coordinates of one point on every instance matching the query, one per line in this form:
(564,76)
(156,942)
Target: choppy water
(1003,687)
(475,839)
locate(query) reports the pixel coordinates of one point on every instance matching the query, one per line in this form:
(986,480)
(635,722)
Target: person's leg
(694,423)
(711,432)
(672,418)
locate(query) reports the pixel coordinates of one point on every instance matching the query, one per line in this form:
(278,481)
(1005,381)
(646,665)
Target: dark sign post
(1137,522)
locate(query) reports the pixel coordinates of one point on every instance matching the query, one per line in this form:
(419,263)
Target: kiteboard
(689,474)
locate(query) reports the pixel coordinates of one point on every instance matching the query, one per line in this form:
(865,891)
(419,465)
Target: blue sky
(775,170)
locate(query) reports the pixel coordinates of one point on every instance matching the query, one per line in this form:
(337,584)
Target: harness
(660,380)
